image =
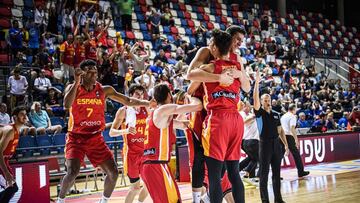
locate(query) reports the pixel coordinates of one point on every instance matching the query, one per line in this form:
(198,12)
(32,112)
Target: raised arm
(71,90)
(118,120)
(116,96)
(256,96)
(205,74)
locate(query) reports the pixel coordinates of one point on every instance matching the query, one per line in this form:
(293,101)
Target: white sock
(104,199)
(59,200)
(196,197)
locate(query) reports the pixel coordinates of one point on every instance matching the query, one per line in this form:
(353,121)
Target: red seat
(235,14)
(206,17)
(187,15)
(143,9)
(201,9)
(5,23)
(218,12)
(130,35)
(224,20)
(190,23)
(8,3)
(142,2)
(210,25)
(182,6)
(4,59)
(6,12)
(174,30)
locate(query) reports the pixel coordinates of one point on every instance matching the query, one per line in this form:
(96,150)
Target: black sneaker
(281,201)
(304,173)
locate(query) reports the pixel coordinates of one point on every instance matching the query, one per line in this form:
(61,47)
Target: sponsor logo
(89,101)
(90,123)
(225,94)
(140,139)
(151,151)
(140,121)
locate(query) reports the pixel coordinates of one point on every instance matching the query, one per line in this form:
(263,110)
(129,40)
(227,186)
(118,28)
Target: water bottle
(130,117)
(343,126)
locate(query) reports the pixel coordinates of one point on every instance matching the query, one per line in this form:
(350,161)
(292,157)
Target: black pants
(198,168)
(295,153)
(270,153)
(251,148)
(215,168)
(126,22)
(8,193)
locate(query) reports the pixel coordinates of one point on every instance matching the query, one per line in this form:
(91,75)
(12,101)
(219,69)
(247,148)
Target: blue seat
(180,14)
(29,4)
(183,23)
(166,29)
(26,142)
(222,27)
(188,31)
(59,142)
(278,40)
(137,9)
(147,37)
(176,6)
(200,17)
(57,121)
(28,14)
(194,9)
(192,40)
(170,38)
(218,19)
(44,141)
(212,11)
(108,118)
(143,27)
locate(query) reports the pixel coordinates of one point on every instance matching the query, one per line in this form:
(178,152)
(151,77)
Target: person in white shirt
(42,84)
(147,80)
(139,61)
(17,84)
(250,143)
(4,117)
(288,123)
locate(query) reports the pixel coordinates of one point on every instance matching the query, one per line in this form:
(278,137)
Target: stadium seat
(5,23)
(8,3)
(108,138)
(143,27)
(166,29)
(45,142)
(28,14)
(57,121)
(190,23)
(135,25)
(19,3)
(130,35)
(187,15)
(5,12)
(181,31)
(184,23)
(174,30)
(25,145)
(147,36)
(138,35)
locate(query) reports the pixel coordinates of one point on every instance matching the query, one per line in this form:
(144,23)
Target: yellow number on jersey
(140,130)
(89,110)
(146,134)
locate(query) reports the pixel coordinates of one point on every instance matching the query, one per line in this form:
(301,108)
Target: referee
(269,127)
(288,123)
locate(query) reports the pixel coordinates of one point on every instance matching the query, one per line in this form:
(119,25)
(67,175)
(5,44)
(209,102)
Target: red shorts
(132,163)
(160,183)
(196,122)
(222,135)
(94,147)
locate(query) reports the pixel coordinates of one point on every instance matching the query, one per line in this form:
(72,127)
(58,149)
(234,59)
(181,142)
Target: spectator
(67,21)
(53,103)
(344,120)
(320,124)
(302,122)
(161,56)
(330,123)
(41,85)
(354,118)
(146,79)
(17,84)
(40,18)
(82,17)
(156,68)
(166,18)
(264,24)
(67,50)
(250,58)
(34,39)
(123,65)
(41,121)
(4,116)
(272,49)
(155,19)
(126,9)
(200,36)
(139,61)
(16,39)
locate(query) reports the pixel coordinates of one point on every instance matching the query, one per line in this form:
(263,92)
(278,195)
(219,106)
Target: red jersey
(91,50)
(68,51)
(135,143)
(199,92)
(11,147)
(87,111)
(80,54)
(233,57)
(158,142)
(219,96)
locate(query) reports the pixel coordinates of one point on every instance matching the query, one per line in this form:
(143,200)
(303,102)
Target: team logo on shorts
(151,151)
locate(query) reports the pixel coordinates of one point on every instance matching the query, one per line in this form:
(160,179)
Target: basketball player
(133,148)
(159,137)
(85,99)
(204,56)
(9,139)
(223,125)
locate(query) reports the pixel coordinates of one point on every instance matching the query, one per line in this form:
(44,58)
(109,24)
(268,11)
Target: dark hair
(15,21)
(161,92)
(292,107)
(17,110)
(135,87)
(222,41)
(233,29)
(87,62)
